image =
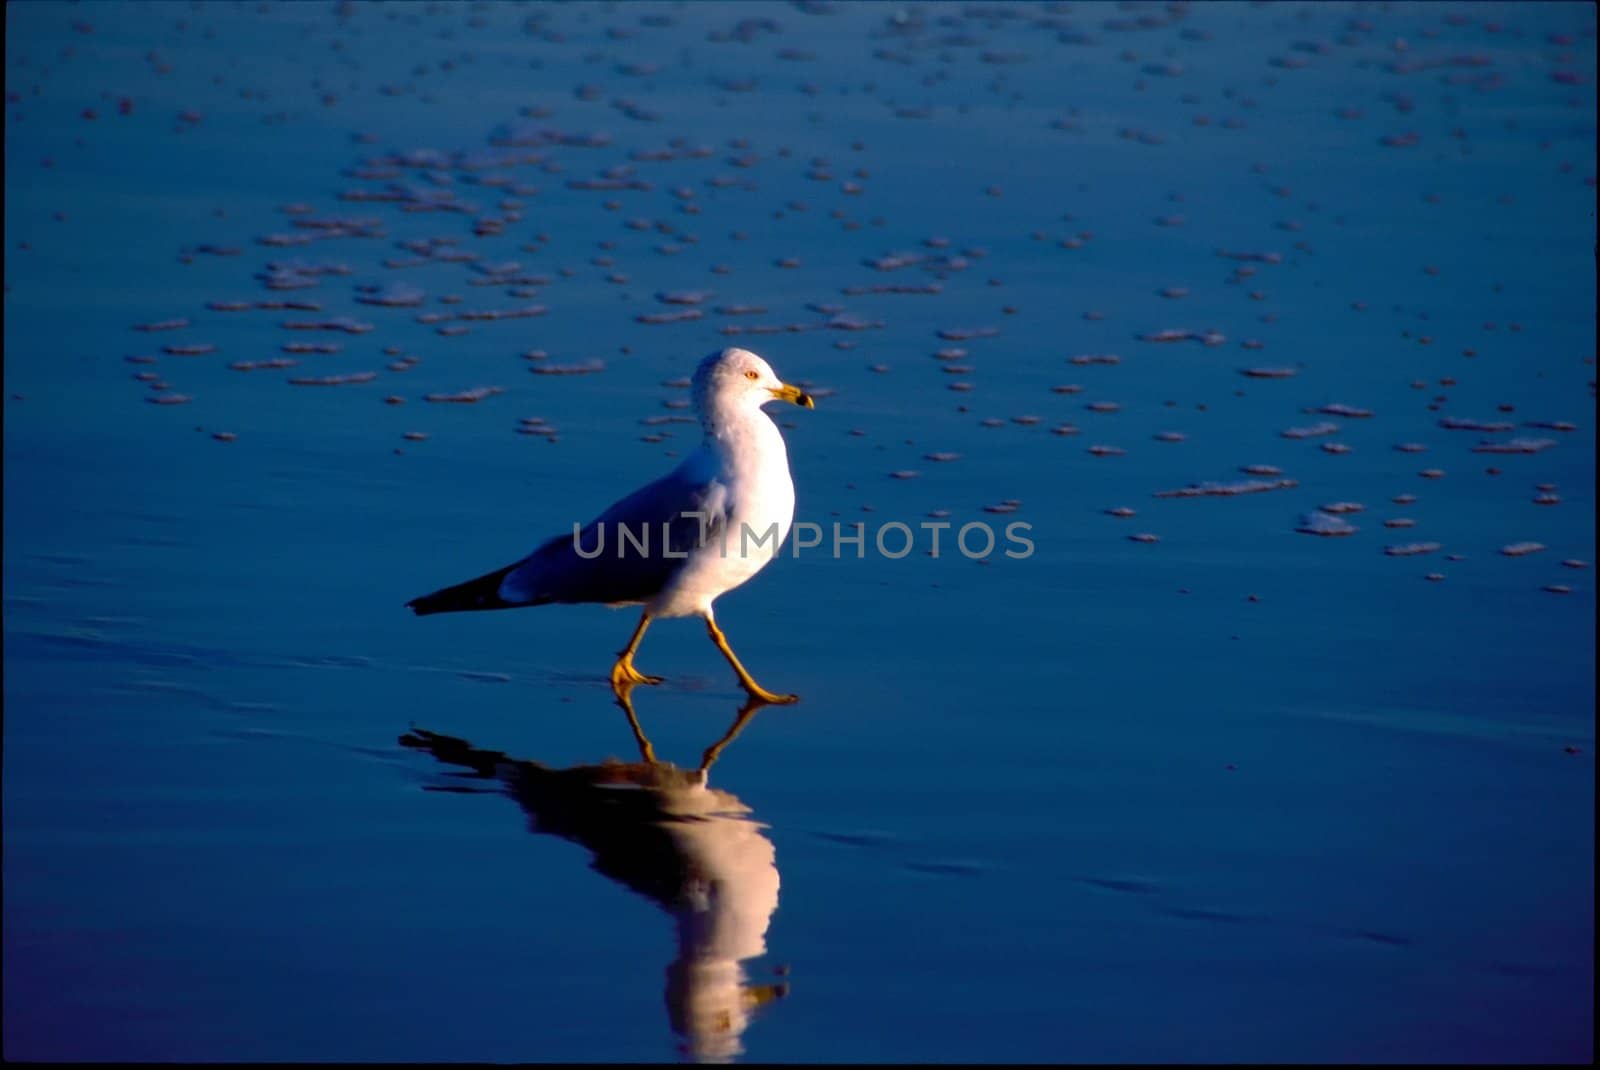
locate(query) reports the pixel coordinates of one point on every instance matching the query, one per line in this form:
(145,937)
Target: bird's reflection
(667,834)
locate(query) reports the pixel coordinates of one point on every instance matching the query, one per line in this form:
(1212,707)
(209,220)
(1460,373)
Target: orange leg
(747,681)
(623,674)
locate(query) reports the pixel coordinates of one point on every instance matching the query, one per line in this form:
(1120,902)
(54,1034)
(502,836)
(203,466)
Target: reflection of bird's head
(693,849)
(722,912)
(665,833)
(710,1006)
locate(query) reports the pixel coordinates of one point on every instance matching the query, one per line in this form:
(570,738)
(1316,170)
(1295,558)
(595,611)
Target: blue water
(1238,794)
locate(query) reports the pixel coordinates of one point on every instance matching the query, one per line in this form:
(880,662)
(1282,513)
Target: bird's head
(737,378)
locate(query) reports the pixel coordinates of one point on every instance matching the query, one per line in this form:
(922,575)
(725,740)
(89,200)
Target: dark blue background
(1099,804)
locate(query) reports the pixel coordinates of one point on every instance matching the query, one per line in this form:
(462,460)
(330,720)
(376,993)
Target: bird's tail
(481,593)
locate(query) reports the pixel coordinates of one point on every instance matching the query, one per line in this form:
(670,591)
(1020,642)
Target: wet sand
(312,309)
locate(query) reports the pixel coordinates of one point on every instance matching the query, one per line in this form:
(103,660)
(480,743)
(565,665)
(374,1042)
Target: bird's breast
(760,488)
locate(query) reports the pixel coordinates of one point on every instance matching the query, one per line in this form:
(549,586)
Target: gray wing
(625,569)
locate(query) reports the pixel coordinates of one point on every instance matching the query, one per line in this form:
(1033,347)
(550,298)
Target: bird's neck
(741,432)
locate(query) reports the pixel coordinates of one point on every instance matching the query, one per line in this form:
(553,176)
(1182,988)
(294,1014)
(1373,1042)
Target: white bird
(675,545)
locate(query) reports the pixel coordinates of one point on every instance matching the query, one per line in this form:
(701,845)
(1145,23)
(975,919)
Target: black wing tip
(480,593)
(424,604)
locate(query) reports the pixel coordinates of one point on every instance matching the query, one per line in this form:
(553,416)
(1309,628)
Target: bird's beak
(794,394)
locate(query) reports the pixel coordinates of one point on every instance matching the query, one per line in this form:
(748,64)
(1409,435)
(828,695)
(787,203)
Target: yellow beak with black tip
(796,395)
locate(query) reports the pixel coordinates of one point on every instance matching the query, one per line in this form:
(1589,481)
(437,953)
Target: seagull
(675,545)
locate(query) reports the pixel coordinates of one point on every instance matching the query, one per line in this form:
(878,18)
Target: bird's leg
(745,679)
(623,674)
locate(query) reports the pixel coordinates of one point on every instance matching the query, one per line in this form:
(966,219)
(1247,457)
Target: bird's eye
(752,375)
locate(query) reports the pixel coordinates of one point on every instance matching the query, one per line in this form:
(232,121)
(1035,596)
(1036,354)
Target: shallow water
(1240,793)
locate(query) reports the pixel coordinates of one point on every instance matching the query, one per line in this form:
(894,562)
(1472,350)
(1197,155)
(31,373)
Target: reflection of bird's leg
(623,673)
(624,693)
(747,711)
(745,679)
